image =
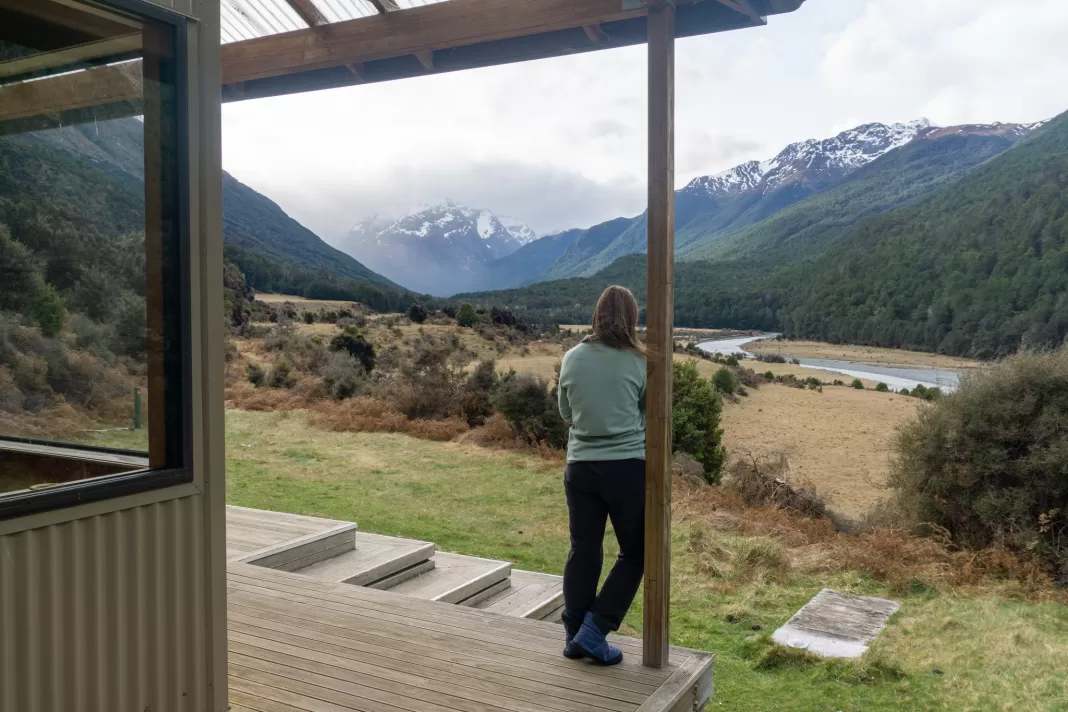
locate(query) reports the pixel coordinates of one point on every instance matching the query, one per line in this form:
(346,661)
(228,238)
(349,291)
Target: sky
(560,143)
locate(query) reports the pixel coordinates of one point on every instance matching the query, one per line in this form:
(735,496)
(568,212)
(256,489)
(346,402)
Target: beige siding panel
(106,613)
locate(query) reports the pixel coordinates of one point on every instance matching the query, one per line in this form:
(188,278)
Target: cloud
(548,198)
(606,128)
(955,61)
(561,142)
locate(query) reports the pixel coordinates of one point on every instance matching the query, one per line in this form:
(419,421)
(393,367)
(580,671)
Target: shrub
(467,316)
(309,317)
(417,313)
(696,409)
(343,376)
(882,388)
(764,480)
(813,382)
(723,380)
(858,384)
(905,392)
(527,403)
(988,462)
(731,360)
(281,374)
(352,342)
(256,374)
(769,375)
(476,402)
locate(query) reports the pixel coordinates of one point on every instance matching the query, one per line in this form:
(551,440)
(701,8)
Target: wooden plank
(474,666)
(442,630)
(371,559)
(306,550)
(437,26)
(403,575)
(276,584)
(278,689)
(659,338)
(445,689)
(320,681)
(455,577)
(480,596)
(58,59)
(395,646)
(680,685)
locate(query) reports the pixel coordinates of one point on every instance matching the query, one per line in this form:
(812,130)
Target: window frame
(72,494)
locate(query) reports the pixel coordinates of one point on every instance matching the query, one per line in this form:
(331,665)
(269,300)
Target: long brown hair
(615,320)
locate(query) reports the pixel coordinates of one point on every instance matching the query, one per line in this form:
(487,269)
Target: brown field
(838,440)
(302,304)
(866,354)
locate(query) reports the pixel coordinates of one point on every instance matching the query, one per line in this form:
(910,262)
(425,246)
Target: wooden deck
(304,645)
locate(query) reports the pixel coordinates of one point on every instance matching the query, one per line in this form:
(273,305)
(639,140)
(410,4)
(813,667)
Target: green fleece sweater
(602,398)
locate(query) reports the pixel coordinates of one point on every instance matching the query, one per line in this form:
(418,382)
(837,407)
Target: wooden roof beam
(437,26)
(48,62)
(80,90)
(308,12)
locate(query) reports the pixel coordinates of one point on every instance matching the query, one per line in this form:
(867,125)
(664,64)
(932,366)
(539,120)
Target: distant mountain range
(953,241)
(439,248)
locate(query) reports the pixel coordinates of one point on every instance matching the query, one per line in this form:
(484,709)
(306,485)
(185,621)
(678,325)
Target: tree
(417,313)
(467,316)
(49,311)
(696,409)
(882,388)
(858,384)
(723,380)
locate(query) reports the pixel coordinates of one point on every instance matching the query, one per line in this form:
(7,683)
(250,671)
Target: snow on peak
(519,230)
(813,159)
(486,226)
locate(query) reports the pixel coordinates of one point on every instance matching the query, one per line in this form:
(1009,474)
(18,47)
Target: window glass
(92,308)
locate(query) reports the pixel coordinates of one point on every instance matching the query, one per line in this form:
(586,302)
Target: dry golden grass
(838,440)
(302,304)
(866,354)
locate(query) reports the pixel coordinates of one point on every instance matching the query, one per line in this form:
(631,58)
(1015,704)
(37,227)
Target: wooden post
(660,319)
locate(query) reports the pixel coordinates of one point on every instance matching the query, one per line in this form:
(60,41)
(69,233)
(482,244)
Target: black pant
(596,491)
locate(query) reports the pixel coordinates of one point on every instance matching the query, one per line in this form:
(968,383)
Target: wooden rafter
(595,33)
(308,12)
(384,6)
(431,27)
(426,58)
(743,7)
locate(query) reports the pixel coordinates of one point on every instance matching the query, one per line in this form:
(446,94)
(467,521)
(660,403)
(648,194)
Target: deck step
(373,558)
(531,595)
(456,578)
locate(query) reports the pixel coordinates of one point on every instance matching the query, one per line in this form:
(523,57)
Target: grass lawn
(943,651)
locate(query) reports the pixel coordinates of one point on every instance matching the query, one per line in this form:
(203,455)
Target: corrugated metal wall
(106,614)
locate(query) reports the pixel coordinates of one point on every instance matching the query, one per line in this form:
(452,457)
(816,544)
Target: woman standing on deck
(602,398)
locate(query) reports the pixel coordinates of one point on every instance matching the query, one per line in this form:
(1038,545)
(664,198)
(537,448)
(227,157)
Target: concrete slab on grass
(836,625)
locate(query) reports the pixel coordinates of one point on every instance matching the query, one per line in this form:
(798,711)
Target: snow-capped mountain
(815,161)
(437,247)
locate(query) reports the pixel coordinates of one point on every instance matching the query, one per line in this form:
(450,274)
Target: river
(896,377)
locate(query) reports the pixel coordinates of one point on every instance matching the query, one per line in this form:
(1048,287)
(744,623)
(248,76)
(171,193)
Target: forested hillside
(979,267)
